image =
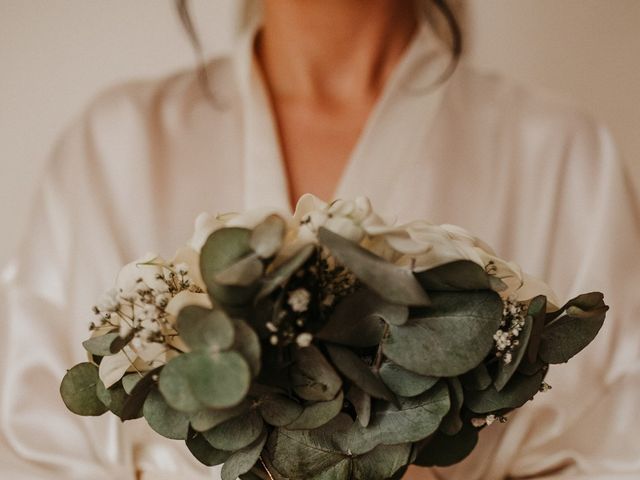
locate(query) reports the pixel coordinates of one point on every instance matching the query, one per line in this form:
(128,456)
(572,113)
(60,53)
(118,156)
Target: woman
(339,98)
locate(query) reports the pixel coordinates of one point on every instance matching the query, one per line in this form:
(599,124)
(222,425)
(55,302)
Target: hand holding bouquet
(327,345)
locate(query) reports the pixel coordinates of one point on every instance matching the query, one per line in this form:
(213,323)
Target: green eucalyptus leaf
(113,397)
(317,414)
(163,419)
(506,370)
(593,301)
(266,239)
(405,382)
(247,344)
(357,320)
(207,418)
(205,329)
(193,380)
(477,378)
(175,385)
(78,390)
(130,380)
(452,422)
(306,453)
(243,273)
(237,432)
(444,450)
(457,276)
(516,393)
(395,284)
(221,380)
(138,394)
(448,338)
(537,311)
(566,336)
(361,402)
(352,367)
(381,463)
(417,418)
(528,368)
(325,454)
(204,452)
(241,461)
(278,277)
(279,410)
(105,345)
(224,248)
(312,376)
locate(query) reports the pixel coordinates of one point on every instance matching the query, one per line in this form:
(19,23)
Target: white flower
(110,301)
(304,339)
(347,218)
(299,300)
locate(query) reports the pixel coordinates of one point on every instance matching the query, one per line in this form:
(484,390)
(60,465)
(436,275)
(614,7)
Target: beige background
(56,54)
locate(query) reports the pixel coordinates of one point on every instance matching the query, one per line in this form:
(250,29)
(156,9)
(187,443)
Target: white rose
(142,273)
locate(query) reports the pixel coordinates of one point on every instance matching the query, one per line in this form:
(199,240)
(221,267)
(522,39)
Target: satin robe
(535,178)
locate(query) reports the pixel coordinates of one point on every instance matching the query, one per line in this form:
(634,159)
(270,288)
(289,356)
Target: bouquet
(330,344)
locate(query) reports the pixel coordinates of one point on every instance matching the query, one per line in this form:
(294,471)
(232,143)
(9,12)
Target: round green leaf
(101,345)
(448,338)
(195,380)
(138,394)
(113,397)
(205,329)
(352,367)
(312,376)
(404,382)
(247,344)
(222,249)
(243,273)
(243,460)
(516,393)
(393,283)
(564,337)
(357,320)
(417,418)
(381,463)
(461,275)
(279,410)
(130,380)
(175,385)
(237,432)
(163,419)
(266,238)
(361,402)
(204,452)
(317,414)
(78,390)
(221,380)
(452,422)
(207,418)
(278,277)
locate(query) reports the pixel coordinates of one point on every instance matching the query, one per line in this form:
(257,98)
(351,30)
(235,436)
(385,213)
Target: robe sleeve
(45,298)
(587,427)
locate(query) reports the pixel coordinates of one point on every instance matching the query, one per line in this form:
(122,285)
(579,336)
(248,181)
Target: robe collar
(411,92)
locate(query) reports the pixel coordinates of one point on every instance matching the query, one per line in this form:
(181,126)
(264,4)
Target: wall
(56,54)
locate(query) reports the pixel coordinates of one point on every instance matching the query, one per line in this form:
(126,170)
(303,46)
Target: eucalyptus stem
(379,354)
(264,465)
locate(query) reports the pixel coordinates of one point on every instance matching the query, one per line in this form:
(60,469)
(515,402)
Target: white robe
(537,180)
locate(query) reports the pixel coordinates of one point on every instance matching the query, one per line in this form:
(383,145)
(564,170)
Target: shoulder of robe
(533,116)
(163,105)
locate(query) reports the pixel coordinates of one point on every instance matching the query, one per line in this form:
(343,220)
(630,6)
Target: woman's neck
(331,50)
